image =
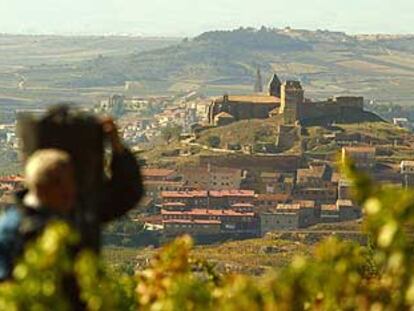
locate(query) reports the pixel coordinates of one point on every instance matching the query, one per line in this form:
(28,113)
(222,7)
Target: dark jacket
(20,224)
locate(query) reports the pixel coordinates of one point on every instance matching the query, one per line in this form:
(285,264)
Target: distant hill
(217,62)
(375,66)
(208,57)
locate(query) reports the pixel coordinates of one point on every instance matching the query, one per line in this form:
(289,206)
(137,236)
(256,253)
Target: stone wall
(334,108)
(240,110)
(287,136)
(283,163)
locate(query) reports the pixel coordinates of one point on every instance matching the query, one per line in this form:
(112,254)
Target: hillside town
(239,191)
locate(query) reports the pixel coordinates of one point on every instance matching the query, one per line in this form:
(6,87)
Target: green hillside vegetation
(260,133)
(263,133)
(377,132)
(245,132)
(252,256)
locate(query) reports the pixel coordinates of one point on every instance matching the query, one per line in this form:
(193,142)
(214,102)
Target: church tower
(274,86)
(292,96)
(258,87)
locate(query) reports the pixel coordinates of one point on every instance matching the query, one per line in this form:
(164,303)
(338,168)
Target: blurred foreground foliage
(341,275)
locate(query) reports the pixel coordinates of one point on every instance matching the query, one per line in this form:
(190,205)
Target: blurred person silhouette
(51,194)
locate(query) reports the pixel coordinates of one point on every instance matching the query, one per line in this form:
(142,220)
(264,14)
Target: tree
(171,132)
(214,141)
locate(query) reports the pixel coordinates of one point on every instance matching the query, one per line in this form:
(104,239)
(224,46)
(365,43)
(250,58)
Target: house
(275,182)
(222,199)
(407,167)
(194,227)
(317,175)
(319,195)
(310,213)
(290,216)
(265,202)
(407,173)
(207,222)
(13,181)
(344,189)
(283,217)
(158,174)
(363,157)
(347,210)
(7,200)
(193,198)
(257,106)
(215,199)
(402,122)
(329,213)
(223,118)
(154,188)
(212,177)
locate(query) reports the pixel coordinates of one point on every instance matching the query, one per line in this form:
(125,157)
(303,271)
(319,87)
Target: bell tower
(274,86)
(292,96)
(258,87)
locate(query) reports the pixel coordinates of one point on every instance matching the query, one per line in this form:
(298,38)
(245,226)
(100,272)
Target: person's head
(50,176)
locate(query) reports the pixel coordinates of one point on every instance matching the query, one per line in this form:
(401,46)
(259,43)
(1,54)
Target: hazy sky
(191,17)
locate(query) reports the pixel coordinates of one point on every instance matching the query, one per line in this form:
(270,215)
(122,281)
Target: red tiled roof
(6,187)
(279,197)
(288,207)
(232,193)
(173,204)
(254,99)
(359,149)
(213,169)
(242,205)
(305,203)
(224,114)
(183,194)
(192,221)
(13,178)
(156,172)
(329,207)
(163,182)
(156,219)
(207,212)
(204,193)
(344,203)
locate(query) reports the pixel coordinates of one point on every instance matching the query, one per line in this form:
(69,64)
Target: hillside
(40,69)
(262,135)
(252,256)
(245,132)
(326,62)
(397,143)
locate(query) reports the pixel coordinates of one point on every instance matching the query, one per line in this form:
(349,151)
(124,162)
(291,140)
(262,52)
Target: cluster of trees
(171,133)
(251,38)
(341,275)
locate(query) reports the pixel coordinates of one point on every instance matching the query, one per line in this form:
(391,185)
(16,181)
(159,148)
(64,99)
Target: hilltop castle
(285,99)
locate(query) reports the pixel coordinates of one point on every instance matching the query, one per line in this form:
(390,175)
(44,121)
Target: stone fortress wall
(286,99)
(336,106)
